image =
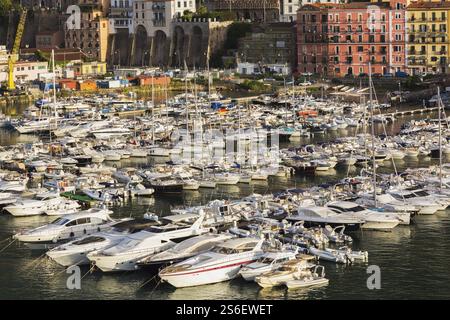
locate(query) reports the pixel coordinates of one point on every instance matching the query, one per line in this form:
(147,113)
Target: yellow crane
(15,51)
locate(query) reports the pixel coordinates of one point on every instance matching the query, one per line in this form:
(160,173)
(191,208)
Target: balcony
(157,7)
(159,23)
(414,62)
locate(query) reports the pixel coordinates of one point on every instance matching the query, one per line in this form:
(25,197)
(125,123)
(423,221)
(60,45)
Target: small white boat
(66,206)
(67,228)
(316,278)
(290,270)
(32,207)
(342,255)
(271,260)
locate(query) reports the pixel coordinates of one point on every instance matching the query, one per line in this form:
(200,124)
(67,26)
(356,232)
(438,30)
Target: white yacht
(374,220)
(66,206)
(321,216)
(111,132)
(32,207)
(75,252)
(66,228)
(17,184)
(124,255)
(222,263)
(422,200)
(183,250)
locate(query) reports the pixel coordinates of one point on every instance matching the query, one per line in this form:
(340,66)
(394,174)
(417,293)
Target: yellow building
(428,44)
(89,68)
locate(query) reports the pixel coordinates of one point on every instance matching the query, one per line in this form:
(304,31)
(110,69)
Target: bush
(252,85)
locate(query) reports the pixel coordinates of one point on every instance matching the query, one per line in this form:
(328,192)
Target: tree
(5,7)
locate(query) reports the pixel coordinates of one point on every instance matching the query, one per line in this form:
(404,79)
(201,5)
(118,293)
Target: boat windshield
(88,240)
(356,209)
(266,260)
(421,193)
(342,209)
(405,196)
(224,250)
(60,221)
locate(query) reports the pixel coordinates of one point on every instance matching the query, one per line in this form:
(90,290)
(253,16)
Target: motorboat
(222,263)
(290,270)
(171,229)
(342,255)
(391,203)
(374,220)
(271,260)
(31,207)
(424,204)
(139,190)
(127,175)
(66,206)
(315,278)
(165,185)
(75,252)
(66,228)
(183,250)
(111,132)
(321,216)
(13,184)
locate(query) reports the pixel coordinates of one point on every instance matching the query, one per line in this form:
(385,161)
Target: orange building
(86,85)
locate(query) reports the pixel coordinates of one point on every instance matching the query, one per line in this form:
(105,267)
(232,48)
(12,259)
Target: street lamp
(118,51)
(143,58)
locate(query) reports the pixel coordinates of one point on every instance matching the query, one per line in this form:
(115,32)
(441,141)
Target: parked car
(363,75)
(388,75)
(377,75)
(305,83)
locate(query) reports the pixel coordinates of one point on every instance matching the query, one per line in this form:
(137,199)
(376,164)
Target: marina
(301,193)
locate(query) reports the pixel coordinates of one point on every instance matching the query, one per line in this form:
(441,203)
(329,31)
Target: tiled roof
(429,5)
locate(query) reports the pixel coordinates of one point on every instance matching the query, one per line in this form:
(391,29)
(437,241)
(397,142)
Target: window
(72,223)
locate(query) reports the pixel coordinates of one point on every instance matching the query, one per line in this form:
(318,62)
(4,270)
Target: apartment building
(92,36)
(428,37)
(342,39)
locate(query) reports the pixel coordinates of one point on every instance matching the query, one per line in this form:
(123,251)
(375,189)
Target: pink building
(341,39)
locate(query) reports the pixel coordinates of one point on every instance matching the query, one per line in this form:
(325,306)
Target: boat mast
(54,96)
(153,109)
(373,136)
(185,96)
(440,138)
